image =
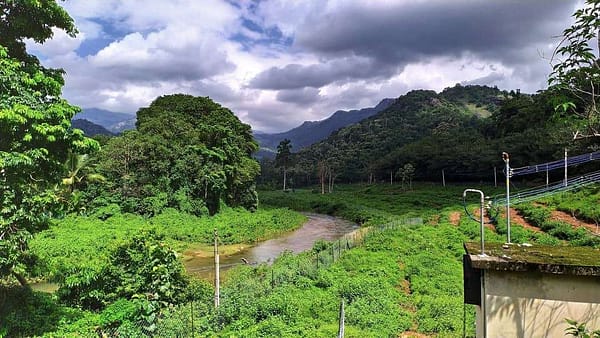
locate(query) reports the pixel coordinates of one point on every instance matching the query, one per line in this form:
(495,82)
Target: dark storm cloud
(415,29)
(385,38)
(302,96)
(294,76)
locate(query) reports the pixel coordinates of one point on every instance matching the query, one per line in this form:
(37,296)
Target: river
(317,227)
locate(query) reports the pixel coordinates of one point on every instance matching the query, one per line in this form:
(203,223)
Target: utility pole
(566,165)
(217,282)
(506,160)
(443,178)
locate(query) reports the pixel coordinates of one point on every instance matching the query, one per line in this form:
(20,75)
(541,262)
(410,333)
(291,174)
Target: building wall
(531,304)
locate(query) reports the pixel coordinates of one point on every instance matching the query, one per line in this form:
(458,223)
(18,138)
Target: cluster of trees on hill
(462,130)
(187,153)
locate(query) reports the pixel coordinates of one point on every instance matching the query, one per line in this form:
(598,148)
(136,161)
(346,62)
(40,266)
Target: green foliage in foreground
(78,241)
(577,329)
(403,278)
(142,267)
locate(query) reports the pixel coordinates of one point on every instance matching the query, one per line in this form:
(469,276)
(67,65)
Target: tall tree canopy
(189,153)
(35,138)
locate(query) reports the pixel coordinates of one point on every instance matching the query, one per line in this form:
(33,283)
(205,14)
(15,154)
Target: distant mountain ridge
(311,132)
(112,121)
(429,130)
(90,128)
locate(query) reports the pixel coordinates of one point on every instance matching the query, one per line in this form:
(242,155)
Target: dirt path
(412,334)
(516,218)
(454,217)
(574,222)
(486,220)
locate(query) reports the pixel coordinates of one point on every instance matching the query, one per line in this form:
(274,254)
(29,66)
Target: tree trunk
(284,177)
(20,278)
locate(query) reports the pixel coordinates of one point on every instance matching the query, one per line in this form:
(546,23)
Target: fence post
(342,320)
(333,252)
(217,281)
(495,178)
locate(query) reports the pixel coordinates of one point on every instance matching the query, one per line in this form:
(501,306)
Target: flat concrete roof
(580,261)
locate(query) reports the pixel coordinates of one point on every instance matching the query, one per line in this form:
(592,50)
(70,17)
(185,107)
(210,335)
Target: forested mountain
(461,130)
(313,131)
(90,128)
(112,121)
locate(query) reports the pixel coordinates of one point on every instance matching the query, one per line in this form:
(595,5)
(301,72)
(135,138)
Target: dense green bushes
(85,242)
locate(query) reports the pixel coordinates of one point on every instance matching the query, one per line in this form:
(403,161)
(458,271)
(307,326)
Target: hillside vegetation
(462,130)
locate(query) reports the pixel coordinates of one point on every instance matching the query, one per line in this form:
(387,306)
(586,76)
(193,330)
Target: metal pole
(495,178)
(217,281)
(443,178)
(506,160)
(566,179)
(547,181)
(481,210)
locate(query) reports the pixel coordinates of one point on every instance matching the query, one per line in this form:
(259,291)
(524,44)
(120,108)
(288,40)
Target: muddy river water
(317,227)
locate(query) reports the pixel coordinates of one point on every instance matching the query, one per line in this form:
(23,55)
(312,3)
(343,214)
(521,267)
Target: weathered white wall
(531,304)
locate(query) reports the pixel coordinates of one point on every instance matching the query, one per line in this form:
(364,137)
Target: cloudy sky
(276,63)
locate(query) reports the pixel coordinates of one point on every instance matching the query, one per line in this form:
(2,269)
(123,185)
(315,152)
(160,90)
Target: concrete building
(530,291)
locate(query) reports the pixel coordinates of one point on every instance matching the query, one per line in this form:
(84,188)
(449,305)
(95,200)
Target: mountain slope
(90,128)
(113,121)
(313,131)
(429,130)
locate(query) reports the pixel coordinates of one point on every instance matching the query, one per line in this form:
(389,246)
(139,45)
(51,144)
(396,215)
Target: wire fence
(190,319)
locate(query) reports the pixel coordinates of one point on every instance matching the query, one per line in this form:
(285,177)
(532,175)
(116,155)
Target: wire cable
(531,194)
(558,164)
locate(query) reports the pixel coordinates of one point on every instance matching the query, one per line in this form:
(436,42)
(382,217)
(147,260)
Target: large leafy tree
(36,137)
(35,128)
(188,152)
